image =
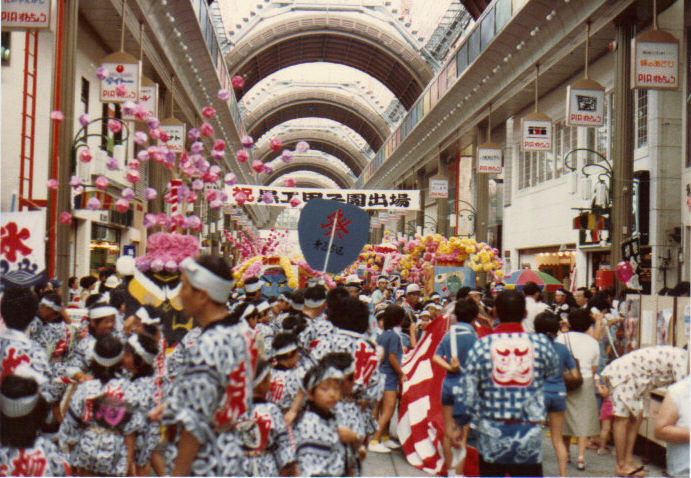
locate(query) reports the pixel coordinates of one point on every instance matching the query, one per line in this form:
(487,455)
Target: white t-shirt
(584,348)
(532,308)
(678,453)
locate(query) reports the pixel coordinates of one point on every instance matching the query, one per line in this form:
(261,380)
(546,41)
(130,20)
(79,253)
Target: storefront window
(104,247)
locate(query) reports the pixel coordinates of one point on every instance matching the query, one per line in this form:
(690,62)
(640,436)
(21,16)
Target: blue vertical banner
(321,219)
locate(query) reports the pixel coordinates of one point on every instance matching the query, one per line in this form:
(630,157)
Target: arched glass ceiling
(317,157)
(316,124)
(307,176)
(329,76)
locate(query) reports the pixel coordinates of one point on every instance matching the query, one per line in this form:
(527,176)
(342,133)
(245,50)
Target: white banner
(438,188)
(25,15)
(23,237)
(176,136)
(390,200)
(489,160)
(120,73)
(537,135)
(585,107)
(655,65)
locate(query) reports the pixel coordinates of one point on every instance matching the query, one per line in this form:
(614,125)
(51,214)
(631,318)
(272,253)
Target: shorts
(606,410)
(390,382)
(447,392)
(555,401)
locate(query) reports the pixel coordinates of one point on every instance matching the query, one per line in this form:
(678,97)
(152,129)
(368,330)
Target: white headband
(203,279)
(285,350)
(144,316)
(253,287)
(105,361)
(313,304)
(249,310)
(263,306)
(350,369)
(50,304)
(283,298)
(295,305)
(316,379)
(148,357)
(103,311)
(18,407)
(258,379)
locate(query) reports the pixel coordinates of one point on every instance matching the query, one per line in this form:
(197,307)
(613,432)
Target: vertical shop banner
(22,244)
(121,78)
(489,158)
(325,223)
(25,15)
(537,132)
(631,252)
(585,104)
(655,60)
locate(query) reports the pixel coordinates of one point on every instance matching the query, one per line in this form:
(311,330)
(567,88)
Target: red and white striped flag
(420,420)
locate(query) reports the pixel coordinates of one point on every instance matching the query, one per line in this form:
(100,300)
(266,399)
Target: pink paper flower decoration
(143,155)
(242,156)
(197,184)
(276,144)
(240,198)
(122,205)
(127,193)
(102,72)
(194,223)
(178,220)
(101,183)
(65,218)
(149,220)
(84,119)
(157,265)
(230,179)
(192,197)
(153,123)
(223,94)
(268,198)
(114,126)
(197,147)
(85,155)
(140,112)
(302,147)
(206,130)
(133,163)
(216,204)
(150,194)
(133,176)
(128,107)
(219,145)
(52,184)
(257,165)
(211,194)
(247,141)
(155,133)
(289,183)
(267,169)
(193,134)
(295,201)
(162,220)
(215,169)
(163,136)
(93,204)
(237,81)
(57,115)
(218,155)
(208,112)
(121,90)
(75,181)
(112,164)
(171,266)
(140,138)
(286,156)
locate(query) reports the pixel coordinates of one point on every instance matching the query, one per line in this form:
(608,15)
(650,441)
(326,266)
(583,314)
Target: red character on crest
(277,389)
(264,425)
(340,222)
(235,398)
(29,464)
(12,362)
(12,241)
(365,364)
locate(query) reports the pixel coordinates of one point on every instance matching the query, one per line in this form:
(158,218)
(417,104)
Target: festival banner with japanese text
(369,199)
(22,248)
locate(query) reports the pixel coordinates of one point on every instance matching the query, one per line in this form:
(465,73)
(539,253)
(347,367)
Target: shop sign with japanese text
(438,188)
(489,159)
(391,200)
(176,135)
(585,106)
(25,15)
(121,79)
(22,244)
(537,133)
(655,58)
(148,98)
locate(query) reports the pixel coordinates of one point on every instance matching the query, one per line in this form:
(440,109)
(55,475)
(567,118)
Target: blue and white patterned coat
(96,433)
(318,447)
(212,390)
(285,384)
(266,442)
(41,459)
(142,392)
(349,414)
(502,389)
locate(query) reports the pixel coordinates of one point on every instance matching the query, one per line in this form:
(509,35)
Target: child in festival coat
(266,442)
(286,375)
(318,446)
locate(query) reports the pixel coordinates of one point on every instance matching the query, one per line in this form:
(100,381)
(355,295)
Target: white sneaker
(391,444)
(378,448)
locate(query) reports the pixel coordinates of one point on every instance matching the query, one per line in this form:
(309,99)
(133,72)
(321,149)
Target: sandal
(638,472)
(580,464)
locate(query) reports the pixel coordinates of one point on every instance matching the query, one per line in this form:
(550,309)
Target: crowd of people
(306,383)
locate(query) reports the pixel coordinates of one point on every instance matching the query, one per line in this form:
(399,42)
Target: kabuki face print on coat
(512,361)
